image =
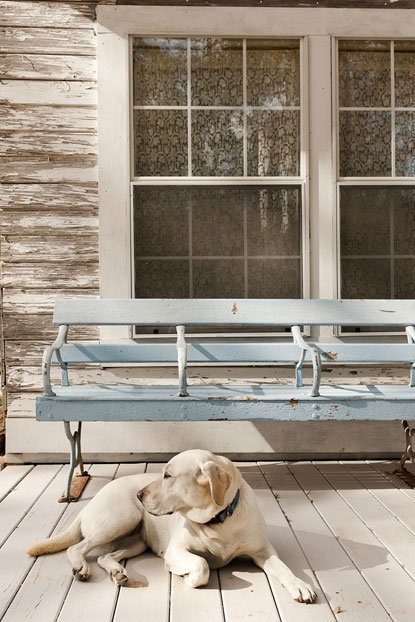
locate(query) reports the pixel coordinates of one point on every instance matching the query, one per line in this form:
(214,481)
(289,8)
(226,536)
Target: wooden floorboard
(10,477)
(148,604)
(245,593)
(19,501)
(346,527)
(185,601)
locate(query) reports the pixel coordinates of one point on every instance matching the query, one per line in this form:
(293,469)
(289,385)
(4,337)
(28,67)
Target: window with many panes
(218,178)
(376,116)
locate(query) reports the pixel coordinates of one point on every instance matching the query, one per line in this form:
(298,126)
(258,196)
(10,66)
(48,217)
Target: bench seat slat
(235,353)
(232,403)
(244,312)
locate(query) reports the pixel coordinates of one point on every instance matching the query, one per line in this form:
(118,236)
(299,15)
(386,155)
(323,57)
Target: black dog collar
(228,511)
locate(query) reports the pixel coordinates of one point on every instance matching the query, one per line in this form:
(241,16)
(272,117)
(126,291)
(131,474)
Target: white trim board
(252,21)
(129,441)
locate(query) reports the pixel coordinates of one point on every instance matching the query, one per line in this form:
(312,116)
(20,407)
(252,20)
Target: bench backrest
(245,312)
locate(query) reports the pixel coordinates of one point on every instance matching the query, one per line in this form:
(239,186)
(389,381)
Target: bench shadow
(381,478)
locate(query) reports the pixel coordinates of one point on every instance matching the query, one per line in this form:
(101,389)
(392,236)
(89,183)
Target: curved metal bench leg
(79,460)
(75,460)
(409,453)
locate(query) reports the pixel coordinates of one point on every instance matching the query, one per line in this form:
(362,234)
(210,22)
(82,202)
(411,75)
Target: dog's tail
(71,536)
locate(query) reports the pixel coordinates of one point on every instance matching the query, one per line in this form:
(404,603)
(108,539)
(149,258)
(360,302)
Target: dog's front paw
(301,591)
(120,577)
(83,573)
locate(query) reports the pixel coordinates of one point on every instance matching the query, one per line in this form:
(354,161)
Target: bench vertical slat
(299,370)
(64,369)
(182,361)
(410,333)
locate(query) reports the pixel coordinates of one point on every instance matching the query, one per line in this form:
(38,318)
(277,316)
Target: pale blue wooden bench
(232,403)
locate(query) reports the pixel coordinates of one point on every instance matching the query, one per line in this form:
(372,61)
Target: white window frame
(319,28)
(373,182)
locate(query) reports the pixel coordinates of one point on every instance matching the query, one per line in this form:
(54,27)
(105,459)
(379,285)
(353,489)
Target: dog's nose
(140,495)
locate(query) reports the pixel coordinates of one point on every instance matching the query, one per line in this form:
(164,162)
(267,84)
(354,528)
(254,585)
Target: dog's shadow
(327,551)
(336,555)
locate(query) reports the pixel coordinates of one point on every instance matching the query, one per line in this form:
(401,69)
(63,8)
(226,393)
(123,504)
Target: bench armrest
(47,358)
(315,356)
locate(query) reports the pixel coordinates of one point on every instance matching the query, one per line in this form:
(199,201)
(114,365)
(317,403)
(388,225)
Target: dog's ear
(219,480)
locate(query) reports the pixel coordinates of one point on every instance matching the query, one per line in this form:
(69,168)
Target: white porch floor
(348,527)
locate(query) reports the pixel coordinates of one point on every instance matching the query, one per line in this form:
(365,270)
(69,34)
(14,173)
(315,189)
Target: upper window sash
(375,109)
(202,108)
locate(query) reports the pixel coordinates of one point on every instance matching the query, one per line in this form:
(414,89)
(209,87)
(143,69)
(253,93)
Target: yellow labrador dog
(199,514)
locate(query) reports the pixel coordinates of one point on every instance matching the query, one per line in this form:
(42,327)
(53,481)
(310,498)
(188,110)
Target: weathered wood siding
(48,175)
(49,235)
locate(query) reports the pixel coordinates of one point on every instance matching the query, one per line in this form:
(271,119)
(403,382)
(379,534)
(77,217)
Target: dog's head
(196,483)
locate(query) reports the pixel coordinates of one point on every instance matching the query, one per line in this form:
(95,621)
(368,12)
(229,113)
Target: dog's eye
(167,475)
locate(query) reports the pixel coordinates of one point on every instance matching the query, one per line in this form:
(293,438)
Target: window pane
(404,73)
(160,145)
(161,217)
(160,72)
(273,143)
(366,278)
(377,241)
(217,75)
(404,278)
(364,73)
(365,144)
(365,221)
(218,221)
(161,278)
(229,241)
(405,143)
(218,278)
(274,221)
(404,222)
(273,72)
(217,143)
(274,278)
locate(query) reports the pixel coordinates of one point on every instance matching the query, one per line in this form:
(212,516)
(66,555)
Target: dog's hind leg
(76,555)
(128,547)
(267,559)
